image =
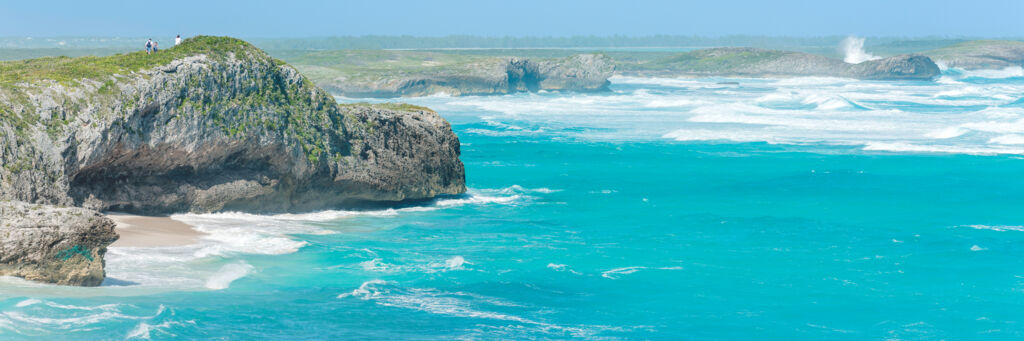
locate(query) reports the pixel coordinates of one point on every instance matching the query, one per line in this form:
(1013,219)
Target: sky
(310,18)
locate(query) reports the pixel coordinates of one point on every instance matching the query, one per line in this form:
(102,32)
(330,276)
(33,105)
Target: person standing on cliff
(154,47)
(177,40)
(149,46)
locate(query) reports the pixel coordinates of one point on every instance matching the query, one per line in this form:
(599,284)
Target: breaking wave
(853,51)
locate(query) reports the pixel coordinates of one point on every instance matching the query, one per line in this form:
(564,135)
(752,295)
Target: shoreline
(150,231)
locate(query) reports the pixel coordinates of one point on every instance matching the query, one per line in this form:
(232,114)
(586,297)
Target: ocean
(732,209)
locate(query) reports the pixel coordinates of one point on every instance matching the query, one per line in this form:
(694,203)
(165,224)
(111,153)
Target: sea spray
(853,51)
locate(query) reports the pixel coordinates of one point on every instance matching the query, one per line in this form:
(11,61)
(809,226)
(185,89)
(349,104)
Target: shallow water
(667,209)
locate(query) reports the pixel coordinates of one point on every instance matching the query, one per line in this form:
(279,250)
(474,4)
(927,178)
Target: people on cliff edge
(149,46)
(177,40)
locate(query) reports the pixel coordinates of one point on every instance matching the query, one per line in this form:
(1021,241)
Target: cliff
(981,54)
(752,62)
(357,73)
(213,124)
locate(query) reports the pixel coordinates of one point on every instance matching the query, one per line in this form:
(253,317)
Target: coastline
(150,231)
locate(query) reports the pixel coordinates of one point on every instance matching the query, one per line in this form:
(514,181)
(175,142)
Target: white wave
(520,189)
(227,274)
(946,79)
(563,268)
(230,235)
(375,264)
(827,102)
(145,330)
(33,301)
(667,82)
(814,81)
(449,264)
(1010,72)
(439,302)
(735,135)
(803,110)
(75,319)
(1008,139)
(474,197)
(674,102)
(946,133)
(618,272)
(1000,228)
(943,149)
(27,302)
(455,263)
(853,51)
(977,248)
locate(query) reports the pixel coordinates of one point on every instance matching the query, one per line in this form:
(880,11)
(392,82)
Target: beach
(149,231)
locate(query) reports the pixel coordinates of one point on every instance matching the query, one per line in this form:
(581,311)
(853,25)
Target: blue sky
(303,18)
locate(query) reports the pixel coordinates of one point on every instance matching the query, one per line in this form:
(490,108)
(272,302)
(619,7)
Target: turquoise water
(668,209)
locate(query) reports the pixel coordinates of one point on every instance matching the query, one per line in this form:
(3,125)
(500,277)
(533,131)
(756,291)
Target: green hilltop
(65,69)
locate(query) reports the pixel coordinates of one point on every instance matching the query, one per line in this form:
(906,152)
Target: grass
(66,69)
(389,106)
(974,47)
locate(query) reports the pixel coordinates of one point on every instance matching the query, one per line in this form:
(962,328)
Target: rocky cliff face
(53,245)
(586,72)
(226,129)
(752,62)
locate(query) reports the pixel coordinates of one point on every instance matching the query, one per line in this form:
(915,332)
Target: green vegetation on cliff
(236,113)
(63,69)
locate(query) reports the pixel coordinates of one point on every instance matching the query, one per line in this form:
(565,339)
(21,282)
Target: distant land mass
(405,66)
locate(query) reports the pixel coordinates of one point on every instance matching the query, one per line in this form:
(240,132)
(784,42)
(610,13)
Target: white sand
(145,231)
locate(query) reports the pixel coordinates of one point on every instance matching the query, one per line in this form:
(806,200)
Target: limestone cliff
(213,124)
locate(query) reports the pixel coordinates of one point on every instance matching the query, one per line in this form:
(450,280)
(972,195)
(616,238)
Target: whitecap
(440,302)
(455,263)
(1000,228)
(943,149)
(1007,139)
(227,274)
(618,272)
(563,268)
(1009,72)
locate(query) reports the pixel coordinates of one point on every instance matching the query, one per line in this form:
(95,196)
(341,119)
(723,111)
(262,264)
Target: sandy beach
(147,231)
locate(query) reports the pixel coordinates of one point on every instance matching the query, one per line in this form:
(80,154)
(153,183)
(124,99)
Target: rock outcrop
(911,67)
(981,54)
(54,245)
(218,126)
(752,62)
(582,73)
